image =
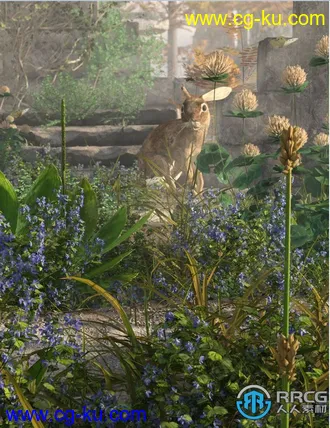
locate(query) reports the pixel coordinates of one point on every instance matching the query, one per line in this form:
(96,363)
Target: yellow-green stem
(63,160)
(287,263)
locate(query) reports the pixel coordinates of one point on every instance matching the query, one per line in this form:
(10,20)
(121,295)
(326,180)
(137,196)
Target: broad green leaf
(8,201)
(211,155)
(47,184)
(226,363)
(36,373)
(203,379)
(217,411)
(263,186)
(89,211)
(253,172)
(300,235)
(240,161)
(113,228)
(214,356)
(313,186)
(105,267)
(137,226)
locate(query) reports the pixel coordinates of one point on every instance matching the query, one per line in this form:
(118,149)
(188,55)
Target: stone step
(86,155)
(147,116)
(90,136)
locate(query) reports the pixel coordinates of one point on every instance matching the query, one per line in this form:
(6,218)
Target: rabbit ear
(185,92)
(217,94)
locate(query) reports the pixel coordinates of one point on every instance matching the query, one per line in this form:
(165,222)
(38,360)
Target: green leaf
(240,161)
(244,114)
(89,211)
(105,267)
(295,89)
(47,184)
(203,379)
(217,411)
(49,386)
(114,303)
(8,201)
(218,78)
(182,357)
(125,278)
(137,226)
(316,61)
(268,373)
(36,373)
(300,235)
(263,186)
(21,397)
(214,356)
(313,186)
(212,155)
(226,363)
(169,425)
(253,172)
(113,228)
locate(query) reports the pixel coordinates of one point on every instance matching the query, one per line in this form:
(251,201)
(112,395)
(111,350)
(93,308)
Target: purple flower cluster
(50,244)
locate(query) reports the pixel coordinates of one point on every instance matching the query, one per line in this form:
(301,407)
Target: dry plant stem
(286,305)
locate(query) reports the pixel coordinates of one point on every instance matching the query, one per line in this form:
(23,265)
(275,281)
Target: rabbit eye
(204,107)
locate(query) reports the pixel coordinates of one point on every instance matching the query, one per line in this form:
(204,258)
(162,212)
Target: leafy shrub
(238,239)
(195,371)
(120,68)
(81,98)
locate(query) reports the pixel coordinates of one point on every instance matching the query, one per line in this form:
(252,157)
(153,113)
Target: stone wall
(312,104)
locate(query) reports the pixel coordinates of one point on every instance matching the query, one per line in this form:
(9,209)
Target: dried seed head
(286,356)
(276,125)
(300,136)
(10,119)
(292,140)
(294,76)
(321,139)
(211,66)
(322,47)
(245,101)
(251,150)
(6,124)
(4,90)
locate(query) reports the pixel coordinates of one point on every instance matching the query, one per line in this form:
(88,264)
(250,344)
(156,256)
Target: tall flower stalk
(215,67)
(63,154)
(292,140)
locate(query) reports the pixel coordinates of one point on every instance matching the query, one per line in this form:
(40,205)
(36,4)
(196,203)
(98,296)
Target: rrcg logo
(253,402)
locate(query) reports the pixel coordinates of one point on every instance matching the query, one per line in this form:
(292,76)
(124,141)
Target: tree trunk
(172,62)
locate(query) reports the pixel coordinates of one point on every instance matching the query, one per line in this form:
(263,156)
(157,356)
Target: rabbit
(172,147)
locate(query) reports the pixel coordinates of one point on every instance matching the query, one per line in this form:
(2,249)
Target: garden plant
(237,275)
